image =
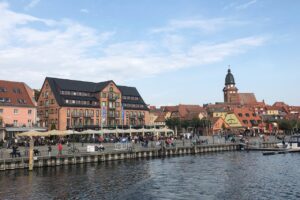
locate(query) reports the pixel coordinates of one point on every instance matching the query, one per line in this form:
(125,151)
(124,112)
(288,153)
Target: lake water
(229,175)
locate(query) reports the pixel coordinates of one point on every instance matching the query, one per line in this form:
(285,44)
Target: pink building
(17,107)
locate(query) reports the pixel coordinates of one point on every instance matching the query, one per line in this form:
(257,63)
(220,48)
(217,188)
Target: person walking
(49,150)
(60,148)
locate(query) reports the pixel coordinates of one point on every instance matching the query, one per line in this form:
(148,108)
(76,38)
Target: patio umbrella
(32,133)
(89,131)
(71,132)
(58,133)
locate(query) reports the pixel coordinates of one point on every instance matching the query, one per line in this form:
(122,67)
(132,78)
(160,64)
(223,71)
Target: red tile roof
(245,116)
(247,98)
(18,94)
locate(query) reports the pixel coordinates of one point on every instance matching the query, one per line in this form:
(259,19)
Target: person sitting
(101,147)
(36,152)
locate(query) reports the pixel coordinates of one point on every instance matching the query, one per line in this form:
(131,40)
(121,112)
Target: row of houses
(69,104)
(256,118)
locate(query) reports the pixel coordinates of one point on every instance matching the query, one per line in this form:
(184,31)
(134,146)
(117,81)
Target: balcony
(76,114)
(89,115)
(112,108)
(111,115)
(141,116)
(132,116)
(112,98)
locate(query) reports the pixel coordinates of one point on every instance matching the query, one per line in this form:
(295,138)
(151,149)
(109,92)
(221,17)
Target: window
(111,89)
(52,101)
(3,89)
(117,104)
(97,113)
(240,115)
(247,115)
(16,91)
(46,113)
(68,112)
(103,103)
(103,95)
(16,111)
(29,122)
(21,101)
(15,122)
(29,112)
(4,100)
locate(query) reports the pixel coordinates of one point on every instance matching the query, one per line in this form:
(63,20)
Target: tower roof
(229,78)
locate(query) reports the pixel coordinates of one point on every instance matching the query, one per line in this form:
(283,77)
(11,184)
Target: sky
(172,51)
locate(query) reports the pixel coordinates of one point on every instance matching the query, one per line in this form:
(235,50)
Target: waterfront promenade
(122,151)
(5,153)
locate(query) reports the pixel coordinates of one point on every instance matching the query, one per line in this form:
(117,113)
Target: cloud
(67,49)
(32,4)
(245,5)
(203,25)
(84,10)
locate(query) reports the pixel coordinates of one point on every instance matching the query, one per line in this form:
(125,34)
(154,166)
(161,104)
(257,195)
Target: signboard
(90,148)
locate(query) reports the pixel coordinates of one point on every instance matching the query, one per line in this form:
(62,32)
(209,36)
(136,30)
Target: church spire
(229,80)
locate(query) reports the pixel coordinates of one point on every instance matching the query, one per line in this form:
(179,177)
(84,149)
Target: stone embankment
(80,158)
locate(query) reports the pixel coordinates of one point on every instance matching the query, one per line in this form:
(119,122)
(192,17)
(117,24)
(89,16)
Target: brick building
(231,94)
(65,104)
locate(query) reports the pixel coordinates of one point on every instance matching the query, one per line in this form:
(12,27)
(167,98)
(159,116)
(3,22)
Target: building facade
(67,104)
(231,94)
(17,106)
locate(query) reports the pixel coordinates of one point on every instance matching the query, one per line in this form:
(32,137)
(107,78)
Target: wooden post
(31,144)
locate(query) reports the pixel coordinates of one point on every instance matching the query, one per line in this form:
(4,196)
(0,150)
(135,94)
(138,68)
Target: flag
(122,114)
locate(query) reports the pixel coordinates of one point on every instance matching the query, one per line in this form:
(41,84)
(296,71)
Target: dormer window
(3,89)
(16,91)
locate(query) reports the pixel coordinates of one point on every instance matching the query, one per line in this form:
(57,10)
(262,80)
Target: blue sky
(173,51)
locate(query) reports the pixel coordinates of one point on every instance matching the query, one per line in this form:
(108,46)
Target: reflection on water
(231,175)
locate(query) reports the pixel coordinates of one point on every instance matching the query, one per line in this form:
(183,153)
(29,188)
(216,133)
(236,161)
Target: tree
(53,127)
(286,125)
(196,124)
(173,123)
(185,124)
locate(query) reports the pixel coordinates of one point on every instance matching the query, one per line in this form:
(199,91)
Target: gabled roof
(252,116)
(247,98)
(18,93)
(160,118)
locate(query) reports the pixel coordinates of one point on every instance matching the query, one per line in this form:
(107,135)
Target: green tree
(53,127)
(286,125)
(185,124)
(172,123)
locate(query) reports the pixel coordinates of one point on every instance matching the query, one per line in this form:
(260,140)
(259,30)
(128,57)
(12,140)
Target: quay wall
(51,161)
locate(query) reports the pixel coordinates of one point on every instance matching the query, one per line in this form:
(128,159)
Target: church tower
(230,91)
